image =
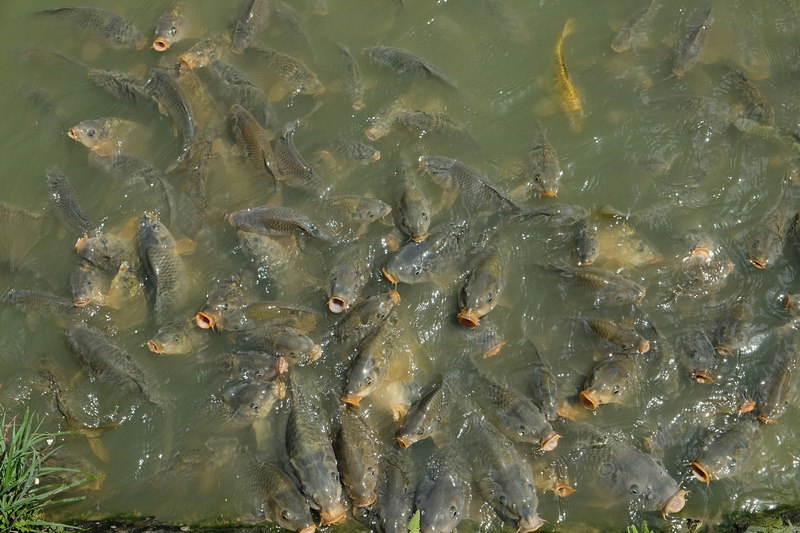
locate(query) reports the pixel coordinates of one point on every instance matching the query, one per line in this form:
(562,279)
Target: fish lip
(155,346)
(403,442)
(702,250)
(308,529)
(185,62)
(702,376)
(376,156)
(394,296)
(332,516)
(73,134)
(365,502)
(337,304)
(283,366)
(316,352)
(82,240)
(160,45)
(562,490)
(142,43)
(204,320)
(644,291)
(350,400)
(758,263)
(588,399)
(389,276)
(81,302)
(468,318)
(722,350)
(419,237)
(371,134)
(644,347)
(746,407)
(674,504)
(549,194)
(550,442)
(699,472)
(788,301)
(493,350)
(529,523)
(358,106)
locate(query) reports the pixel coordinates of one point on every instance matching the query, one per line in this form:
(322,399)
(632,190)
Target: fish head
(249,401)
(414,219)
(418,425)
(332,515)
(407,265)
(344,286)
(170,340)
(365,374)
(608,382)
(438,167)
(531,522)
(169,30)
(90,133)
(442,508)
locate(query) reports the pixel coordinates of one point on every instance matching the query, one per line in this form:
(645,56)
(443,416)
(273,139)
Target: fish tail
(569,28)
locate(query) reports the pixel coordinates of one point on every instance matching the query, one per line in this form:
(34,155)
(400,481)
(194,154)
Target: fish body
(779,388)
(354,151)
(249,401)
(258,315)
(293,72)
(367,317)
(631,29)
(39,302)
(278,498)
(275,220)
(290,20)
(253,16)
(123,85)
(757,107)
(292,167)
(426,414)
(249,133)
(359,209)
(765,243)
(172,26)
(610,381)
(701,274)
(395,492)
(289,343)
(542,170)
(65,201)
(481,290)
(465,180)
(311,457)
(174,101)
(358,452)
(568,96)
(431,123)
(237,88)
(543,384)
(728,453)
(443,495)
(368,368)
(353,80)
(417,262)
(347,278)
(733,327)
(555,214)
(620,338)
(164,268)
(405,62)
(103,359)
(692,44)
(611,289)
(698,355)
(106,26)
(252,365)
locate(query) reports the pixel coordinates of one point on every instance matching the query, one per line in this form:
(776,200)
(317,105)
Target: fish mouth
(186,62)
(562,490)
(155,346)
(375,156)
(316,352)
(549,194)
(644,291)
(332,516)
(549,443)
(81,302)
(791,301)
(675,504)
(389,276)
(160,45)
(358,106)
(493,350)
(767,419)
(419,237)
(589,399)
(702,376)
(468,318)
(308,529)
(73,134)
(283,366)
(394,296)
(204,320)
(82,240)
(644,347)
(365,502)
(758,263)
(141,44)
(371,134)
(404,442)
(678,74)
(336,304)
(705,252)
(700,473)
(529,523)
(746,407)
(724,351)
(349,399)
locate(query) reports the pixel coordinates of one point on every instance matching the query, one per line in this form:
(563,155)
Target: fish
(103,135)
(237,89)
(104,359)
(353,79)
(610,381)
(631,30)
(610,289)
(39,302)
(290,20)
(732,329)
(163,266)
(615,336)
(367,316)
(255,316)
(65,202)
(249,401)
(173,100)
(173,25)
(692,44)
(253,16)
(297,76)
(368,368)
(352,151)
(765,242)
(554,214)
(278,498)
(512,413)
(616,472)
(465,180)
(171,338)
(292,167)
(107,27)
(543,385)
(404,62)
(205,50)
(347,278)
(427,123)
(312,460)
(482,289)
(251,136)
(252,365)
(504,479)
(358,209)
(443,495)
(357,450)
(123,85)
(276,220)
(385,119)
(542,171)
(291,344)
(395,492)
(417,262)
(727,454)
(413,208)
(757,107)
(126,287)
(698,355)
(88,283)
(778,389)
(568,95)
(130,169)
(428,414)
(227,295)
(700,274)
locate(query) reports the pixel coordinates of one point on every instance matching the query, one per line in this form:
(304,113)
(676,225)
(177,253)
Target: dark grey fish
(778,390)
(616,336)
(555,214)
(428,414)
(588,244)
(610,381)
(109,28)
(227,294)
(123,85)
(765,242)
(292,167)
(417,262)
(278,498)
(275,220)
(252,137)
(610,289)
(249,401)
(65,202)
(353,80)
(290,20)
(465,180)
(413,209)
(357,450)
(405,62)
(287,342)
(106,251)
(542,170)
(293,72)
(347,278)
(692,44)
(252,365)
(236,87)
(256,316)
(253,16)
(482,289)
(367,316)
(368,368)
(87,283)
(631,29)
(698,355)
(395,492)
(174,101)
(729,453)
(543,385)
(39,302)
(444,494)
(734,326)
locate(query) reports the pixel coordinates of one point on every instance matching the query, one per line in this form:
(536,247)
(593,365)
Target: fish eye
(616,389)
(176,338)
(731,462)
(304,488)
(522,431)
(420,431)
(286,515)
(634,489)
(370,214)
(259,373)
(530,486)
(537,178)
(90,132)
(368,381)
(620,297)
(424,216)
(335,476)
(371,471)
(503,500)
(173,30)
(624,346)
(254,406)
(453,511)
(417,271)
(211,53)
(489,297)
(225,307)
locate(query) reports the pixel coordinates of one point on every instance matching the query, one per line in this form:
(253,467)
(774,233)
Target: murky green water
(721,182)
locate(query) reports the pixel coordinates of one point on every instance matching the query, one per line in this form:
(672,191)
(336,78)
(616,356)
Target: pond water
(710,173)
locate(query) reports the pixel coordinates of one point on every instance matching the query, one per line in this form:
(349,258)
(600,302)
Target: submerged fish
(123,85)
(249,401)
(414,213)
(294,73)
(729,453)
(610,381)
(368,368)
(631,29)
(253,16)
(543,384)
(108,27)
(238,89)
(621,338)
(779,389)
(275,220)
(766,240)
(482,289)
(542,171)
(733,327)
(610,289)
(172,25)
(173,100)
(428,414)
(568,96)
(358,451)
(367,316)
(353,80)
(65,201)
(698,355)
(347,278)
(251,136)
(417,262)
(395,492)
(292,167)
(692,44)
(405,62)
(465,180)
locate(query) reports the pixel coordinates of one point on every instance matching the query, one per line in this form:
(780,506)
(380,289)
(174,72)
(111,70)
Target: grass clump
(644,529)
(23,496)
